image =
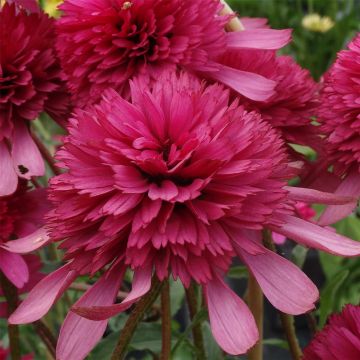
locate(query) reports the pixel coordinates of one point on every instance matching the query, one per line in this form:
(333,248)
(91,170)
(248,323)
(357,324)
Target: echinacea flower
(21,216)
(29,76)
(176,181)
(339,116)
(294,102)
(105,43)
(339,339)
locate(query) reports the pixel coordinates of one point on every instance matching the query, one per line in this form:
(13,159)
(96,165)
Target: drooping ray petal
(28,243)
(316,237)
(231,321)
(282,282)
(78,335)
(14,268)
(140,286)
(350,186)
(43,295)
(8,176)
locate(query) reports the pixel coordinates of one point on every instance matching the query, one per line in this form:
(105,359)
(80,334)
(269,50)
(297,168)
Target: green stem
(192,302)
(256,305)
(135,317)
(46,336)
(165,321)
(11,296)
(287,320)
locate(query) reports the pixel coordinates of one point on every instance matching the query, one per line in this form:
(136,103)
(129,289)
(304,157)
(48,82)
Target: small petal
(14,268)
(8,176)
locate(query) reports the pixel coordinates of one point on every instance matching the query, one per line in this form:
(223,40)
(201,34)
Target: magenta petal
(30,5)
(251,85)
(43,295)
(8,176)
(78,335)
(140,286)
(232,323)
(283,283)
(26,154)
(350,186)
(269,39)
(14,268)
(254,23)
(315,236)
(28,243)
(312,196)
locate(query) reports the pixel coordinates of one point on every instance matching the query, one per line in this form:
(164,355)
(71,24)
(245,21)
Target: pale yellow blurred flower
(315,22)
(50,7)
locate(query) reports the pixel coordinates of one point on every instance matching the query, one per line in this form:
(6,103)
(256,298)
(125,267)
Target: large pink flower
(340,338)
(339,116)
(177,181)
(21,216)
(104,43)
(29,76)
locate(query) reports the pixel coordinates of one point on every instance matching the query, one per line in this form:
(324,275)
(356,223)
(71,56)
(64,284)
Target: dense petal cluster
(21,215)
(178,180)
(340,338)
(30,81)
(104,43)
(339,113)
(294,101)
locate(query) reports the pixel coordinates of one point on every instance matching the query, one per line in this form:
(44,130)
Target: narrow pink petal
(8,176)
(312,196)
(26,154)
(254,23)
(14,268)
(43,296)
(314,236)
(28,243)
(278,238)
(78,335)
(282,282)
(350,186)
(269,39)
(232,323)
(140,286)
(251,85)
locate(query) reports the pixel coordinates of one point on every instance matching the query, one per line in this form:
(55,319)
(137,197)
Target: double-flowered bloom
(177,180)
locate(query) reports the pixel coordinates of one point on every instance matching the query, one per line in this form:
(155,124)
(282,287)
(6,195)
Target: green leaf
(277,342)
(238,272)
(298,255)
(177,296)
(328,296)
(212,349)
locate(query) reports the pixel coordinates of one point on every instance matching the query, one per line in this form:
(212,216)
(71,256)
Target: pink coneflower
(339,115)
(29,75)
(21,215)
(177,181)
(340,338)
(104,43)
(294,102)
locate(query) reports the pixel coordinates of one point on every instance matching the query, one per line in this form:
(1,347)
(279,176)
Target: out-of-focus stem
(256,305)
(287,320)
(165,321)
(196,329)
(11,296)
(234,24)
(46,336)
(135,317)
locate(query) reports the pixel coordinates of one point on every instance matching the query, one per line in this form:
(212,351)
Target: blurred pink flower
(21,215)
(177,181)
(5,354)
(339,116)
(339,339)
(104,43)
(29,76)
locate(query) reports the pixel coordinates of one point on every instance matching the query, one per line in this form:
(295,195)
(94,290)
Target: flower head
(104,43)
(29,76)
(315,22)
(178,180)
(339,339)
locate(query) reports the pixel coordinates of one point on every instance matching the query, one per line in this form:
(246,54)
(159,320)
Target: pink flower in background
(339,339)
(105,43)
(294,101)
(21,215)
(5,354)
(179,180)
(339,116)
(29,75)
